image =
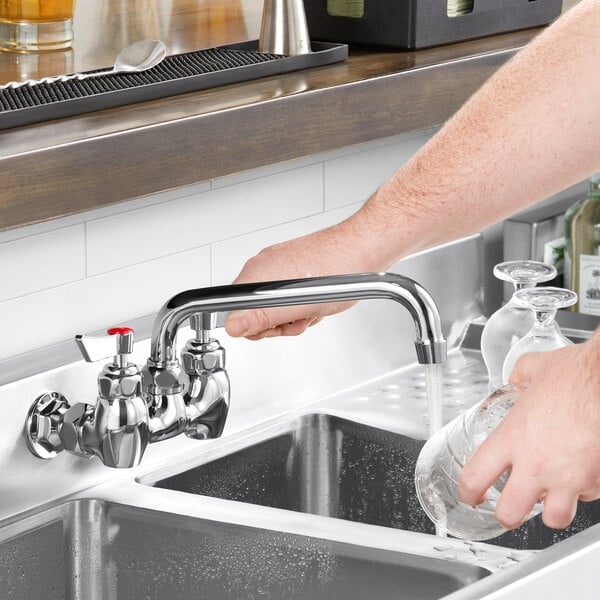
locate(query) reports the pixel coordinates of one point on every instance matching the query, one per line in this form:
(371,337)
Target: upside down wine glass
(545,333)
(514,320)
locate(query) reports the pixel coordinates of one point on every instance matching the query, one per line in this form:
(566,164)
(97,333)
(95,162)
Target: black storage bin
(412,24)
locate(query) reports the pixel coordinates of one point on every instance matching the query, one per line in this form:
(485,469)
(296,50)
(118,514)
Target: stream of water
(433,387)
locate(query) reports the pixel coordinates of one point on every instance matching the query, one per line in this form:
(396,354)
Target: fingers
(560,506)
(288,329)
(259,323)
(483,470)
(518,498)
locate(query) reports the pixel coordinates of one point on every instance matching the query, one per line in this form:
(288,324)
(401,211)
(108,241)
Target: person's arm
(550,439)
(529,132)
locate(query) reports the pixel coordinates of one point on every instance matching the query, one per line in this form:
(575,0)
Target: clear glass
(27,26)
(544,334)
(442,459)
(511,322)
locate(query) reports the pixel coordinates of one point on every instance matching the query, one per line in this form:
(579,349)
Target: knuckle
(262,320)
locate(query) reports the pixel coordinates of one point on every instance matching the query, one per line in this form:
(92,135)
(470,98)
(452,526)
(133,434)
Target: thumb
(526,367)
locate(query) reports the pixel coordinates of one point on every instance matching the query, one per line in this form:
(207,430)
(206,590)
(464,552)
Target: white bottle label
(589,284)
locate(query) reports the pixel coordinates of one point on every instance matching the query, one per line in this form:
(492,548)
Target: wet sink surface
(93,549)
(334,467)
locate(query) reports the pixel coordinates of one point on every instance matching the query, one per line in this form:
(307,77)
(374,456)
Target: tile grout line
(324,187)
(85,249)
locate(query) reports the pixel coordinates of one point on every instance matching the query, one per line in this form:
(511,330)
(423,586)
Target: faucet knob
(118,343)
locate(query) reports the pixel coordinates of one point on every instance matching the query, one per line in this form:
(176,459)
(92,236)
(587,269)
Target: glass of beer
(36,25)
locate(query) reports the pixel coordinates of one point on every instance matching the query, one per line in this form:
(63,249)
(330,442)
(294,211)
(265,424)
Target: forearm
(529,132)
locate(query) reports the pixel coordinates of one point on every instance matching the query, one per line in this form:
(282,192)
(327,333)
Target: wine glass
(511,322)
(545,333)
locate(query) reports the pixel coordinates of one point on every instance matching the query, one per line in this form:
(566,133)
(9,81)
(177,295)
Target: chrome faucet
(191,396)
(115,429)
(161,377)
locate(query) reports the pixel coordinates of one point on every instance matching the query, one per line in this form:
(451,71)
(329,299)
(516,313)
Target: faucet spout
(202,409)
(430,343)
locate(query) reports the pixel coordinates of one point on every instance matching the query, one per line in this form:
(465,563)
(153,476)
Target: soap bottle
(585,251)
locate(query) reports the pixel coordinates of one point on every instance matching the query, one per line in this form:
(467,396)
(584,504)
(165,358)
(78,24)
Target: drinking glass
(545,333)
(36,25)
(442,459)
(511,322)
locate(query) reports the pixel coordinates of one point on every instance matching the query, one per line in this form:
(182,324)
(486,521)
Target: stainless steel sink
(90,549)
(308,494)
(330,466)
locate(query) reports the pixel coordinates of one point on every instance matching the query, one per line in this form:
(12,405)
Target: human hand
(549,440)
(333,251)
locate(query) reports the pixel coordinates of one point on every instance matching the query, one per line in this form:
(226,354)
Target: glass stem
(520,285)
(543,326)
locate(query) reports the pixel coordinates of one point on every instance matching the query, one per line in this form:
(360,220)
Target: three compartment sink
(92,550)
(325,465)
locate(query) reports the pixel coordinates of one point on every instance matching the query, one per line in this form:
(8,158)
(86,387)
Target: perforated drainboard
(177,74)
(464,383)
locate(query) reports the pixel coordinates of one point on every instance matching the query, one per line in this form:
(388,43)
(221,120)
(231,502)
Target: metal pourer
(115,429)
(283,28)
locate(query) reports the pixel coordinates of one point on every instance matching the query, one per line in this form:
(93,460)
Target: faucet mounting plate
(43,423)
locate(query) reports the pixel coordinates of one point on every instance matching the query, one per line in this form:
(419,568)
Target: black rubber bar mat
(176,74)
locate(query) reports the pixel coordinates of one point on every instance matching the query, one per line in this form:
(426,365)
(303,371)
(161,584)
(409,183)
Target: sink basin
(330,466)
(92,549)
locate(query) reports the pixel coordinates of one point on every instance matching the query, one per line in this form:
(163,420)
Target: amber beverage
(36,25)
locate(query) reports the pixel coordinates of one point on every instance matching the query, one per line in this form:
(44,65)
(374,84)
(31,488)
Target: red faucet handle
(95,348)
(119,330)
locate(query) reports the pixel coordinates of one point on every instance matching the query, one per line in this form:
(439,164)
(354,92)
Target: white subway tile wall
(56,314)
(115,264)
(160,230)
(42,261)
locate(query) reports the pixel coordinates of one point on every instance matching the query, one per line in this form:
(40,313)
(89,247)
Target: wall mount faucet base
(43,423)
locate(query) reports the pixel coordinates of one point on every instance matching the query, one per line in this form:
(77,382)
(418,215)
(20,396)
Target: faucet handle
(117,343)
(204,322)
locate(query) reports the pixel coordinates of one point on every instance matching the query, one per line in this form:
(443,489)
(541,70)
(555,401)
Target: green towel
(346,8)
(459,7)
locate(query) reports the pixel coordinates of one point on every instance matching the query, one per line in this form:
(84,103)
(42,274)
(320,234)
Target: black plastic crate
(413,24)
